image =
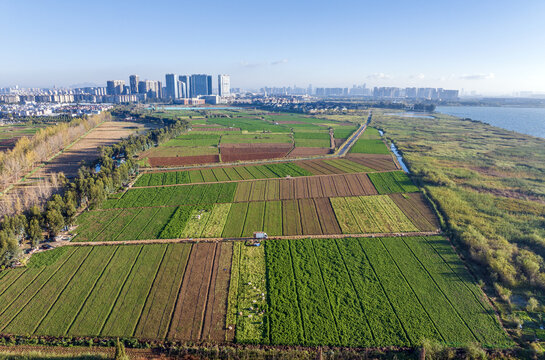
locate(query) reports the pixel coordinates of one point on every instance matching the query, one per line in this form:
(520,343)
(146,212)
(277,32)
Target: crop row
(120,291)
(370,214)
(370,292)
(289,217)
(221,174)
(177,195)
(306,187)
(392,182)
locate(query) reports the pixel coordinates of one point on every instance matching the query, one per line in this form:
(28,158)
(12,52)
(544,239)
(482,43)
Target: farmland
(246,136)
(399,290)
(352,258)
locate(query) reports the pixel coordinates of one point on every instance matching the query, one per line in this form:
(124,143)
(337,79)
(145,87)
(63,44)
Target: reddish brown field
(183,160)
(212,128)
(216,309)
(290,122)
(417,210)
(327,217)
(308,151)
(309,218)
(8,144)
(189,313)
(245,152)
(291,222)
(374,161)
(305,188)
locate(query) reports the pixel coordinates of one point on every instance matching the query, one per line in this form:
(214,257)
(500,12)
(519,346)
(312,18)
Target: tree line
(88,190)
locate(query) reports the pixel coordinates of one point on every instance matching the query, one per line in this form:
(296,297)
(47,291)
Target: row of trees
(88,190)
(28,152)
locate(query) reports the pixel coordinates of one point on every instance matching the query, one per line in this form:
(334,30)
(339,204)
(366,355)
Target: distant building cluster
(414,93)
(364,91)
(180,89)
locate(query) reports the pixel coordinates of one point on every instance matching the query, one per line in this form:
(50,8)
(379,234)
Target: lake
(530,121)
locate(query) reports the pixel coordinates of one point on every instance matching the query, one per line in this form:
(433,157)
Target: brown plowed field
(378,162)
(291,222)
(216,309)
(244,152)
(308,151)
(414,205)
(305,188)
(183,160)
(309,218)
(187,321)
(212,128)
(327,217)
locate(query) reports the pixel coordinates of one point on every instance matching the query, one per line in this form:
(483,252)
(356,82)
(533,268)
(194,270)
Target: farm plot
(187,321)
(157,313)
(377,162)
(318,288)
(247,152)
(312,139)
(263,138)
(370,214)
(415,207)
(219,174)
(392,182)
(248,295)
(369,146)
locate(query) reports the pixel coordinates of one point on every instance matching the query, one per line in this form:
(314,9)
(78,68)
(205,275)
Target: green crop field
(256,138)
(371,292)
(201,280)
(392,182)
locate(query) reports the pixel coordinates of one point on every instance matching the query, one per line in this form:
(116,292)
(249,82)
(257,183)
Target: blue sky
(487,46)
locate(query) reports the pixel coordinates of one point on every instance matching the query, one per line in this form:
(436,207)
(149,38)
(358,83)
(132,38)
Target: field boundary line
(412,290)
(441,291)
(178,294)
(295,285)
(32,297)
(149,292)
(91,290)
(127,224)
(13,281)
(355,291)
(211,278)
(481,301)
(61,292)
(120,290)
(385,293)
(18,294)
(326,288)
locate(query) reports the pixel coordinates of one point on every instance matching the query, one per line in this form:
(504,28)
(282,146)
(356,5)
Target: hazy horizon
(492,47)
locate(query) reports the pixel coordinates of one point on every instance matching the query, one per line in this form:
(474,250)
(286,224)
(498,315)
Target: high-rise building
(114,87)
(151,88)
(224,85)
(209,84)
(201,84)
(133,83)
(171,86)
(186,80)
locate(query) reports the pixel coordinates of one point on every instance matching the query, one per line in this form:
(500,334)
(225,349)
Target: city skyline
(488,47)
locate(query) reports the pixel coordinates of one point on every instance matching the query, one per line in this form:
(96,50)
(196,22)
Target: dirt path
(286,237)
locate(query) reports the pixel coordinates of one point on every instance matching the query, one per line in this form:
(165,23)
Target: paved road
(348,144)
